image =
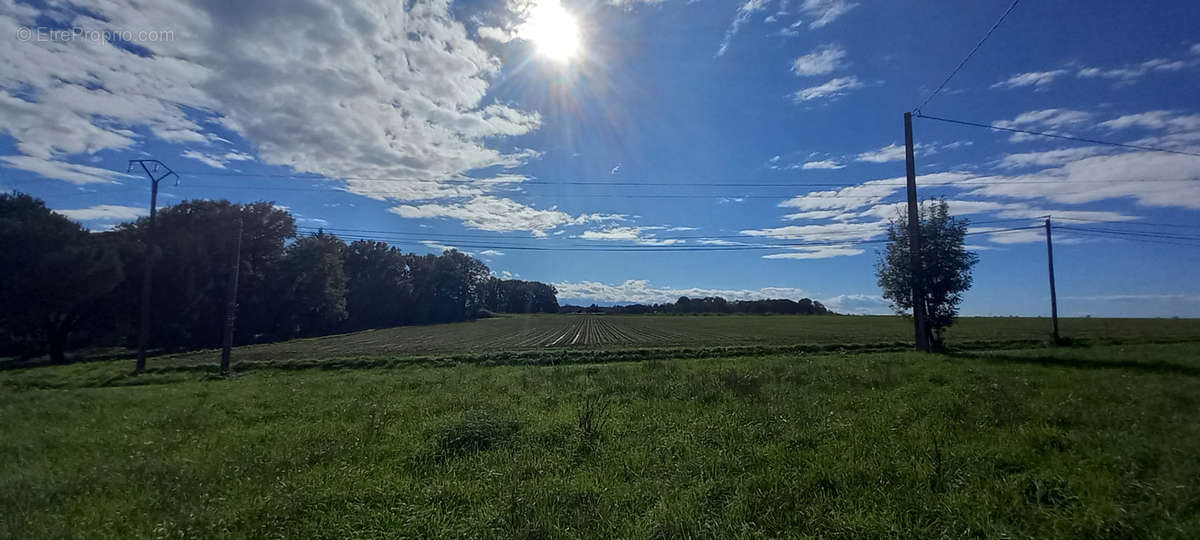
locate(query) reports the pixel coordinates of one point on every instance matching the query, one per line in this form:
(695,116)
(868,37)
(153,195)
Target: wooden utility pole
(231,305)
(1053,295)
(914,241)
(147,271)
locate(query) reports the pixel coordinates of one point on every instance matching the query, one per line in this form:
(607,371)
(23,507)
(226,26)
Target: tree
(313,285)
(945,262)
(52,274)
(195,240)
(379,288)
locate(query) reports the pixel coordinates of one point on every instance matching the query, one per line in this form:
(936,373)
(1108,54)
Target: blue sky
(721,131)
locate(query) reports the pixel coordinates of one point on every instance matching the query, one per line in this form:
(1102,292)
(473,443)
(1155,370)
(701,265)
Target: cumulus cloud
(642,292)
(388,90)
(825,59)
(830,89)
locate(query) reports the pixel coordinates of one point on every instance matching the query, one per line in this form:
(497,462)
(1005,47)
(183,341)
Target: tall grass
(1098,442)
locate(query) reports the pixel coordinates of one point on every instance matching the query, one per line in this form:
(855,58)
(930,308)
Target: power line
(486,183)
(653,248)
(917,110)
(1057,136)
(1139,223)
(451,237)
(1129,239)
(1145,234)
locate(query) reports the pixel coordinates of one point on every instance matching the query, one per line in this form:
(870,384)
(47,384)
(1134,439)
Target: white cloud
(499,214)
(859,304)
(1049,158)
(493,33)
(818,214)
(743,15)
(1038,79)
(820,252)
(641,291)
(1176,181)
(891,152)
(1047,120)
(865,194)
(105,212)
(638,235)
(388,90)
(1130,73)
(825,59)
(217,161)
(62,170)
(832,233)
(438,246)
(830,89)
(492,253)
(823,164)
(1166,120)
(824,12)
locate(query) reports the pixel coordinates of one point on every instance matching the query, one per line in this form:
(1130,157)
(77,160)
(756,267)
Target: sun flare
(552,30)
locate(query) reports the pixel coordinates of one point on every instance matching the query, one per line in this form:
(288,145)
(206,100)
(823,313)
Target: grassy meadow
(1097,441)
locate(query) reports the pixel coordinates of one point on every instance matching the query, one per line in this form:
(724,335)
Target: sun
(552,30)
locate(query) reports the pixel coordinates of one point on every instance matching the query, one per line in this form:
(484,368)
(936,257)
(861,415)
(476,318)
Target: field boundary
(553,357)
(977,349)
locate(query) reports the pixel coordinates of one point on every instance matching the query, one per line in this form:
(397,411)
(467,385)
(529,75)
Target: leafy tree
(379,286)
(518,296)
(945,261)
(458,280)
(52,274)
(195,241)
(313,285)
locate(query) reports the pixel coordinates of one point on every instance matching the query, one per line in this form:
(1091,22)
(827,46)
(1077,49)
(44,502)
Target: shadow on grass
(1079,363)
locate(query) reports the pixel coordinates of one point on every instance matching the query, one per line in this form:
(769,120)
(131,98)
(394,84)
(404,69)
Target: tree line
(712,304)
(62,285)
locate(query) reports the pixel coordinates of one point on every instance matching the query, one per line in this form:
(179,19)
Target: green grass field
(1095,441)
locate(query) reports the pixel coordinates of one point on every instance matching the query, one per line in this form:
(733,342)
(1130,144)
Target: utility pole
(148,273)
(1053,296)
(914,241)
(231,306)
